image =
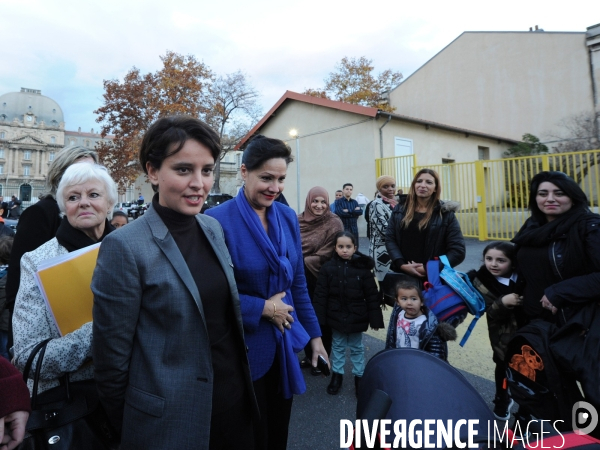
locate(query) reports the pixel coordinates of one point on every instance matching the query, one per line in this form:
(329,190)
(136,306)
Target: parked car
(123,206)
(214,200)
(12,223)
(137,210)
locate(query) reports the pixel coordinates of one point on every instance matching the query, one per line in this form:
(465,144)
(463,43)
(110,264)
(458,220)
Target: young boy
(338,194)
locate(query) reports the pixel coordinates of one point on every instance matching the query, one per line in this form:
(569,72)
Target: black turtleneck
(226,348)
(414,241)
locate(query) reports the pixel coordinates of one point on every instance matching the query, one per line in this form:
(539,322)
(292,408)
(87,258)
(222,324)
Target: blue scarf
(281,276)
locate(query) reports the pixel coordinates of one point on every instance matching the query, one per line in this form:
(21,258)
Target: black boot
(335,384)
(356,384)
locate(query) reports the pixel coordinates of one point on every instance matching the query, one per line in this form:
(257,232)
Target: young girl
(347,300)
(413,325)
(498,283)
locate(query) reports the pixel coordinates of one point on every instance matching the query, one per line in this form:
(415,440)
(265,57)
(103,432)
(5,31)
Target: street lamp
(294,133)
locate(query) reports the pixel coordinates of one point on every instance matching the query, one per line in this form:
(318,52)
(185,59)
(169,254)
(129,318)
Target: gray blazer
(151,349)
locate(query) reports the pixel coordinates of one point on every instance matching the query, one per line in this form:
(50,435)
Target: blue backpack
(446,304)
(458,283)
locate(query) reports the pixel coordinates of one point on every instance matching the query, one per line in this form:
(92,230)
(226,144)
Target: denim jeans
(340,342)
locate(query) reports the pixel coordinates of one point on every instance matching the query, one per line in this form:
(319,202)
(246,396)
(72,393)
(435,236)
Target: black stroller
(419,386)
(411,384)
(542,390)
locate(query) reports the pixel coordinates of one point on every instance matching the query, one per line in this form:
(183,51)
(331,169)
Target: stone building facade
(32,131)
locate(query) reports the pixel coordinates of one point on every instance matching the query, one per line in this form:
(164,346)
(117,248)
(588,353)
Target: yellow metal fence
(494,193)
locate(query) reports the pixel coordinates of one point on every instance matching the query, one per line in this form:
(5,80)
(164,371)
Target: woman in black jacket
(423,228)
(558,249)
(558,253)
(347,300)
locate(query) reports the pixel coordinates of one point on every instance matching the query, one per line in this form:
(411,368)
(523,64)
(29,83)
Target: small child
(347,299)
(498,283)
(413,325)
(119,219)
(6,243)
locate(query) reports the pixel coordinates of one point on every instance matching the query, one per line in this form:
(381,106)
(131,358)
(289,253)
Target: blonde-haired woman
(424,227)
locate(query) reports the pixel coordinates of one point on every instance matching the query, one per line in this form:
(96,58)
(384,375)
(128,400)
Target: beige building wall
(435,146)
(334,149)
(338,147)
(502,83)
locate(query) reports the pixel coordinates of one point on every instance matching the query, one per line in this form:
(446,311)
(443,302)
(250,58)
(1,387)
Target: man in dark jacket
(14,208)
(348,210)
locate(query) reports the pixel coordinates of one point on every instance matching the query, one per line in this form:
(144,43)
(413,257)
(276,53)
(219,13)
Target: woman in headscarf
(318,227)
(380,212)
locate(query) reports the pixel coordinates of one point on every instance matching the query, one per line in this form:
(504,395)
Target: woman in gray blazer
(168,343)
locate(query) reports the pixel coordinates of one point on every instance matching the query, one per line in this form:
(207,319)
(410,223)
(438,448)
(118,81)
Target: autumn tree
(233,111)
(316,93)
(353,81)
(179,87)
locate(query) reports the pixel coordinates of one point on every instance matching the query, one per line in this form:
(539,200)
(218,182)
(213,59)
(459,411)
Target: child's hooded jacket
(433,335)
(346,297)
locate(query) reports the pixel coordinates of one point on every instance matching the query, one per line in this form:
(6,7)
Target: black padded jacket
(346,297)
(444,236)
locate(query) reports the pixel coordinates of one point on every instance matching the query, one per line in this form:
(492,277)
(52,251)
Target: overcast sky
(67,48)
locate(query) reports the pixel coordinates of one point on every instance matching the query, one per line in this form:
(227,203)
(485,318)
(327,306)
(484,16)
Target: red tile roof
(289,95)
(362,110)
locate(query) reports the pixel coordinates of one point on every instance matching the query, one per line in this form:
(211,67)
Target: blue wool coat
(251,272)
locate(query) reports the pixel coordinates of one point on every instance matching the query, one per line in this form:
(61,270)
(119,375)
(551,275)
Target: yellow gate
(494,193)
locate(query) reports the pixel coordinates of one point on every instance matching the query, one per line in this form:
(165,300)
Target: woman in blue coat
(263,238)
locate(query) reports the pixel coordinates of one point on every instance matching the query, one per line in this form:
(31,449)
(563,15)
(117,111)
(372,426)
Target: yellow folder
(65,284)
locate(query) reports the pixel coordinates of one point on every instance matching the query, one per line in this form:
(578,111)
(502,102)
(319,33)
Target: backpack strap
(463,341)
(444,260)
(433,272)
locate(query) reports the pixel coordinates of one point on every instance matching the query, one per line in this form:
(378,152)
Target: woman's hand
(316,345)
(12,429)
(278,312)
(512,300)
(414,269)
(547,305)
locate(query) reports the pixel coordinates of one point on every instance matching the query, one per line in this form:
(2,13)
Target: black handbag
(67,417)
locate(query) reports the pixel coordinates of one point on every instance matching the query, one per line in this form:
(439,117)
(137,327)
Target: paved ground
(315,423)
